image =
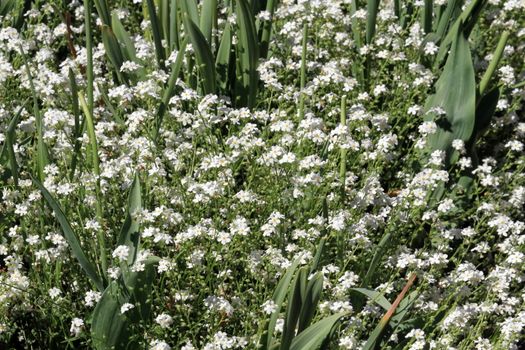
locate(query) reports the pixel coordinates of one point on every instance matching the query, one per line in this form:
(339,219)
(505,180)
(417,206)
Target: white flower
(54,292)
(159,345)
(126,307)
(77,324)
(91,298)
(269,307)
(121,252)
(164,320)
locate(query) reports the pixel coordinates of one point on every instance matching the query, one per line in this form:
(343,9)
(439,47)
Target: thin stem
(494,62)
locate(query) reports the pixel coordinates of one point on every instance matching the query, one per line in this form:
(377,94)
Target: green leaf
(375,296)
(110,329)
(129,234)
(8,151)
(112,48)
(371,9)
(168,91)
(70,237)
(190,8)
(278,297)
(312,337)
(208,18)
(6,6)
(103,11)
(456,95)
(314,288)
(248,53)
(267,29)
(203,55)
(294,307)
(128,48)
(222,60)
(157,30)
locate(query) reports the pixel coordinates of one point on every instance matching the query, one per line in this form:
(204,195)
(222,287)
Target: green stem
(96,169)
(303,71)
(89,50)
(493,63)
(342,169)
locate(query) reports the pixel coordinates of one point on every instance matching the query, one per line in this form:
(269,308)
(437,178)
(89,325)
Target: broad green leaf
(103,11)
(446,18)
(314,288)
(248,53)
(113,50)
(208,18)
(71,238)
(295,303)
(157,30)
(190,8)
(467,20)
(6,6)
(128,48)
(129,234)
(203,55)
(222,60)
(375,296)
(312,337)
(278,297)
(109,328)
(456,95)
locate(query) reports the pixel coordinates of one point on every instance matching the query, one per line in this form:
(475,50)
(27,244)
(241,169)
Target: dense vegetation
(243,174)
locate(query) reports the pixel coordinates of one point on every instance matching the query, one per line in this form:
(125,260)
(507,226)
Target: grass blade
(113,51)
(71,238)
(129,234)
(203,55)
(156,29)
(376,335)
(168,91)
(222,60)
(312,337)
(314,288)
(248,53)
(103,11)
(294,307)
(208,18)
(456,94)
(375,296)
(372,8)
(278,297)
(427,16)
(267,29)
(494,62)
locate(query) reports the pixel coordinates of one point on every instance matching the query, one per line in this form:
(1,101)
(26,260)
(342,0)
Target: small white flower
(126,307)
(121,252)
(77,324)
(164,320)
(54,292)
(269,307)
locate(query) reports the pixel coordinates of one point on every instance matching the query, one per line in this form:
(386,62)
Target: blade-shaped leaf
(128,48)
(129,234)
(208,18)
(110,329)
(248,54)
(312,337)
(294,307)
(278,297)
(456,95)
(113,50)
(70,237)
(223,56)
(314,289)
(375,296)
(203,54)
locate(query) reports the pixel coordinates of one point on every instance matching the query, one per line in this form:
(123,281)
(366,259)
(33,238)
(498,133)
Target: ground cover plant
(242,174)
